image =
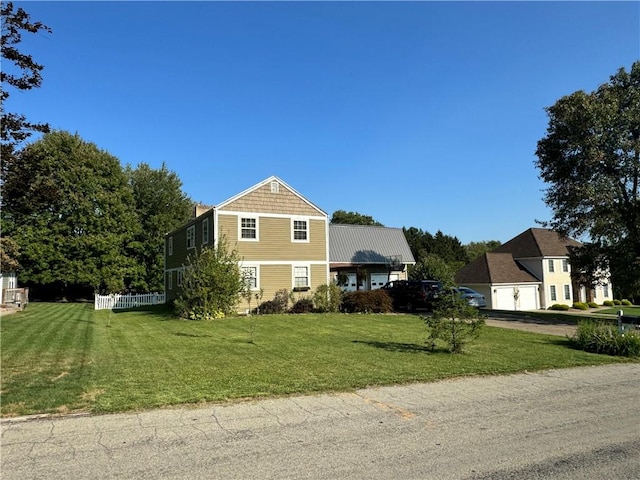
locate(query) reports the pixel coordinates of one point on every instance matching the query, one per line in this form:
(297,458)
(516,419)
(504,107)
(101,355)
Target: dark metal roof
(362,244)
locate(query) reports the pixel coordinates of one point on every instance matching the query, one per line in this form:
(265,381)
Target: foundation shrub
(367,301)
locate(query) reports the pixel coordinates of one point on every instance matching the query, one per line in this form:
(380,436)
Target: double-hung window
(300,276)
(170,246)
(551,266)
(565,265)
(169,280)
(567,292)
(554,295)
(250,275)
(191,237)
(180,277)
(205,231)
(300,231)
(248,228)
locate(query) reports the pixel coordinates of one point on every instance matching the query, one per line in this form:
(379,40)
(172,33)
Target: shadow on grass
(191,335)
(398,347)
(165,312)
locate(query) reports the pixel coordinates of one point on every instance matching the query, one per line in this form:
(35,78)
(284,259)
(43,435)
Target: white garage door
(526,300)
(378,280)
(504,298)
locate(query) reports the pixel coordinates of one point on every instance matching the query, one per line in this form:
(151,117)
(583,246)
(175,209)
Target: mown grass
(67,357)
(627,310)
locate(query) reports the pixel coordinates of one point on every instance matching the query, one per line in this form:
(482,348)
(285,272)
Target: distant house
(366,257)
(285,242)
(528,272)
(8,281)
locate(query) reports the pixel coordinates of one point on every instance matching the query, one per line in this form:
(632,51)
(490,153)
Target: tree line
(75,219)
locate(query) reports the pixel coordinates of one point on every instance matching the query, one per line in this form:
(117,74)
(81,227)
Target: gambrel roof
(538,242)
(362,244)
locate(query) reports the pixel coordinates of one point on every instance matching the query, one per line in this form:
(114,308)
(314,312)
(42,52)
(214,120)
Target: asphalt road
(581,423)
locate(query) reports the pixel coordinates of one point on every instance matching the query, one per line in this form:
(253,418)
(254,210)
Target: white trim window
(180,277)
(299,230)
(170,246)
(551,266)
(191,237)
(250,275)
(205,231)
(565,265)
(567,292)
(301,276)
(275,187)
(169,280)
(553,294)
(248,227)
(605,290)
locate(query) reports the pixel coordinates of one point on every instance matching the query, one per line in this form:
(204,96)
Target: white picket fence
(112,302)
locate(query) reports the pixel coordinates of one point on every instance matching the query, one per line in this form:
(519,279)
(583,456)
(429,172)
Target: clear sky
(422,114)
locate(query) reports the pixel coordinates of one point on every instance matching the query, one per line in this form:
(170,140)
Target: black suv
(412,294)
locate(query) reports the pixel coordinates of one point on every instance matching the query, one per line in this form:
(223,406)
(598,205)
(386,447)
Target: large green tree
(477,249)
(590,159)
(353,218)
(69,208)
(19,72)
(161,205)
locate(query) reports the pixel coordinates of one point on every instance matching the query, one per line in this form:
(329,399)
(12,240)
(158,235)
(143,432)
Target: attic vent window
(275,187)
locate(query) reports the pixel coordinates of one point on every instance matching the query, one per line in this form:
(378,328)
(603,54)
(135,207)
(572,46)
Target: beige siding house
(281,237)
(530,271)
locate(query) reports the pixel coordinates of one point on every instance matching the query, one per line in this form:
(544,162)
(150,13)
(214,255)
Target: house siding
(264,201)
(274,239)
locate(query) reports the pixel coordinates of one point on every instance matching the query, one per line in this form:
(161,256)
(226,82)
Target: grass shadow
(397,347)
(191,335)
(163,311)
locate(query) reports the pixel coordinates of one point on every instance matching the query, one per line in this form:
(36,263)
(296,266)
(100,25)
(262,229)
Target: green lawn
(627,310)
(67,357)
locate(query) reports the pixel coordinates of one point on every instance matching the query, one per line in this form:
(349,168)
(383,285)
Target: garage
(515,297)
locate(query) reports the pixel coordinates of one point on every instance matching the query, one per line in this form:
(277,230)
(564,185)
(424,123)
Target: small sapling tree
(453,322)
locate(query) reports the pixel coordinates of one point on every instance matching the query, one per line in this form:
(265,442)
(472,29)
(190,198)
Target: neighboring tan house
(281,237)
(528,272)
(366,257)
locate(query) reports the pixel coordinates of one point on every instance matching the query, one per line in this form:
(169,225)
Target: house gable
(271,196)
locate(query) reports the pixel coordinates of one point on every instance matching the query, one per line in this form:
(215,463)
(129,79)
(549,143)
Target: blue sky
(422,114)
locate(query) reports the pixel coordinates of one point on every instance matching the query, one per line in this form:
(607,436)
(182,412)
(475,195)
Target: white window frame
(170,280)
(257,228)
(567,291)
(191,237)
(205,231)
(553,293)
(605,290)
(180,277)
(551,266)
(244,268)
(294,230)
(293,275)
(565,265)
(170,246)
(275,187)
